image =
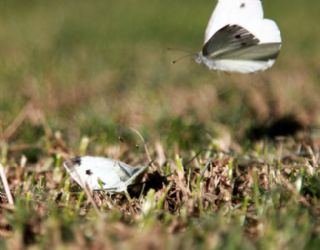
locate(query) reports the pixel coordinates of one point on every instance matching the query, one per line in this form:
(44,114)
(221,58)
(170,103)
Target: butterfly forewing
(228,38)
(241,12)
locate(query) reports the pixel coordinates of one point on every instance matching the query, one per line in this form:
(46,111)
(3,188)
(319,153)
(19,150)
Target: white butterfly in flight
(99,173)
(239,39)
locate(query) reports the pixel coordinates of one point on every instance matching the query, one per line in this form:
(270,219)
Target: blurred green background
(96,67)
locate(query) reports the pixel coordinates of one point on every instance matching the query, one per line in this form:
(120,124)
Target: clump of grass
(265,197)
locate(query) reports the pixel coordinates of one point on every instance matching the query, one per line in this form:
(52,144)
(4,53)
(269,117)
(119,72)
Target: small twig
(87,191)
(6,185)
(12,128)
(205,169)
(196,155)
(89,195)
(21,147)
(91,199)
(291,188)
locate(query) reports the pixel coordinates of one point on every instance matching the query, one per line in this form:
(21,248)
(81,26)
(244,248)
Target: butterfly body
(99,173)
(239,39)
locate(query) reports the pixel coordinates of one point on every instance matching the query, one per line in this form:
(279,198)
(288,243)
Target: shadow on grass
(284,126)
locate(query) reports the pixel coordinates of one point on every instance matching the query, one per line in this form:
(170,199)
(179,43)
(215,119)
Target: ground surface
(235,159)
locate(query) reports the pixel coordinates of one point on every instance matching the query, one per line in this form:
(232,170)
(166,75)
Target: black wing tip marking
(72,163)
(76,160)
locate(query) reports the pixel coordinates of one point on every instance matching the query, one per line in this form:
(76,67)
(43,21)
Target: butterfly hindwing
(259,52)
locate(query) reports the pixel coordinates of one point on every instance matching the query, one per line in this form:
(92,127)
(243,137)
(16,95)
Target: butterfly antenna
(189,53)
(181,58)
(144,145)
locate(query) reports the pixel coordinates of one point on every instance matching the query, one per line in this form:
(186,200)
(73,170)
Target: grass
(235,158)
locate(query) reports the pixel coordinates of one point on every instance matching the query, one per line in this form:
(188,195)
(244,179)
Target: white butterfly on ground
(99,173)
(239,39)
